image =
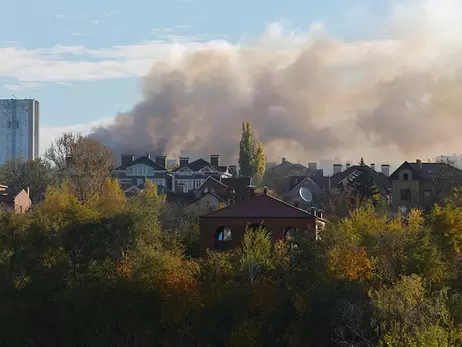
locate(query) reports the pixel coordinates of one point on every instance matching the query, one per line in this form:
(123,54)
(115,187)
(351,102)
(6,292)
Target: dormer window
(405,177)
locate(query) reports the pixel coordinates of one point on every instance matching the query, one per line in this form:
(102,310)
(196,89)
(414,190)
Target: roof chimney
(419,164)
(347,166)
(337,168)
(265,190)
(184,161)
(127,159)
(385,169)
(312,167)
(161,160)
(373,166)
(215,160)
(284,159)
(148,156)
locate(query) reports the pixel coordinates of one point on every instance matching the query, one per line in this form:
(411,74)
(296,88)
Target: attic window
(405,177)
(224,234)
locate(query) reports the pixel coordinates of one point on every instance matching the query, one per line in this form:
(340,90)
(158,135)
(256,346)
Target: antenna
(14,96)
(305,194)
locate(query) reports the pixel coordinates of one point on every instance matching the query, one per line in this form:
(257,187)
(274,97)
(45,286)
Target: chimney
(265,190)
(215,160)
(147,155)
(161,160)
(284,159)
(337,168)
(373,166)
(312,168)
(127,159)
(419,164)
(251,189)
(184,161)
(347,166)
(386,169)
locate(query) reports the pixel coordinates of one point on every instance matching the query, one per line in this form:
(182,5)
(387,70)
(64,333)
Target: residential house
(229,189)
(207,202)
(190,176)
(300,183)
(136,189)
(416,183)
(134,172)
(12,200)
(224,229)
(351,173)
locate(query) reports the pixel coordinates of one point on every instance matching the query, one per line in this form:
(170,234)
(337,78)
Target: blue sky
(83,59)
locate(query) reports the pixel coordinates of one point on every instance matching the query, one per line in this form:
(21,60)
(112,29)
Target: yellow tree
(111,199)
(258,162)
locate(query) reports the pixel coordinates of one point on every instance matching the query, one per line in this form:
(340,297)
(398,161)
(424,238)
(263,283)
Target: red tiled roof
(260,206)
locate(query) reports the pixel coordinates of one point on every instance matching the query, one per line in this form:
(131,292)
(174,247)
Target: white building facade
(19,129)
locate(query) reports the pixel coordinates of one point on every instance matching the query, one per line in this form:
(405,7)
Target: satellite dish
(305,194)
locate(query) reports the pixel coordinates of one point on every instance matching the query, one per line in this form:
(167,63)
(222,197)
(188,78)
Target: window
(224,234)
(159,182)
(197,184)
(405,194)
(405,177)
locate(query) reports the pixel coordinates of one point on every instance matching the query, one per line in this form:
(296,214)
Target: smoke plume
(309,96)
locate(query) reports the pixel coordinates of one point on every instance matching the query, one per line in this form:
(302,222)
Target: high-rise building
(19,129)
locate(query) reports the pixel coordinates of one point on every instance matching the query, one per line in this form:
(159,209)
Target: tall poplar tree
(251,154)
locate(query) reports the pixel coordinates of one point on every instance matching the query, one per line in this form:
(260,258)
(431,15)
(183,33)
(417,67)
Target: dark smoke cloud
(308,96)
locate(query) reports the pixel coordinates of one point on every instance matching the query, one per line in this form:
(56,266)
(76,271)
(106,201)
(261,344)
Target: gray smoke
(309,96)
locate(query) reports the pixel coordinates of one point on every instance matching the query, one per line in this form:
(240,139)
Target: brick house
(14,200)
(223,229)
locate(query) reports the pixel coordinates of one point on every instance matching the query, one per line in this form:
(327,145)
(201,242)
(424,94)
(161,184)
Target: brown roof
(260,206)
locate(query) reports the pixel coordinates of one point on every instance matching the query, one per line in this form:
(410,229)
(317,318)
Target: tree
(364,185)
(258,164)
(251,154)
(85,162)
(35,175)
(255,252)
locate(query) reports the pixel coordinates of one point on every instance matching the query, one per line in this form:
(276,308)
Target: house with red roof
(224,229)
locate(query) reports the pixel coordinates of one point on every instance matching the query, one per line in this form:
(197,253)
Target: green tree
(255,252)
(364,185)
(251,154)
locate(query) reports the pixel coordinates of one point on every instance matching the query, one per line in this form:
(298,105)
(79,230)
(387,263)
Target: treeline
(89,267)
(109,271)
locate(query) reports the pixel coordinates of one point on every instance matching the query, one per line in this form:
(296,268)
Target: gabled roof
(260,206)
(425,170)
(381,180)
(9,194)
(305,180)
(212,194)
(198,165)
(211,178)
(239,184)
(145,161)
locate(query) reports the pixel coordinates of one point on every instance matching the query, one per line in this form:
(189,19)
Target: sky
(83,60)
